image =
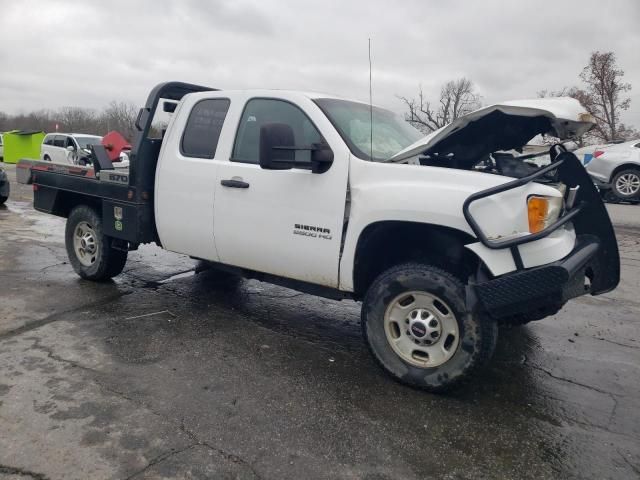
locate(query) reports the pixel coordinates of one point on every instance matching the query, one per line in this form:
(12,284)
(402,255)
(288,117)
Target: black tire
(477,336)
(47,158)
(107,261)
(610,197)
(630,173)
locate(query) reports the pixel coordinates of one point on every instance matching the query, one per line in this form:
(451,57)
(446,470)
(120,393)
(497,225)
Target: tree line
(603,93)
(119,116)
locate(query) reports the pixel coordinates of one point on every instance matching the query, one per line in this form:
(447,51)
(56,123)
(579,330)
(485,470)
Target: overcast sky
(86,53)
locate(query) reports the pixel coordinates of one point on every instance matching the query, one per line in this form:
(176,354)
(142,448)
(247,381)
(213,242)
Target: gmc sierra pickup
(440,237)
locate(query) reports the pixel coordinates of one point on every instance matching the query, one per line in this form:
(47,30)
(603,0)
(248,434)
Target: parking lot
(165,373)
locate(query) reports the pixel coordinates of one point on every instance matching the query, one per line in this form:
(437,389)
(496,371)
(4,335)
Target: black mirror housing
(272,136)
(321,158)
(278,150)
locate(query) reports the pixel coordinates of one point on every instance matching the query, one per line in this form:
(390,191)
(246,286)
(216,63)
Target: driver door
(282,222)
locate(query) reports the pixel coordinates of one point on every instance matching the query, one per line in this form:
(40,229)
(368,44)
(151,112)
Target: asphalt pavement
(165,373)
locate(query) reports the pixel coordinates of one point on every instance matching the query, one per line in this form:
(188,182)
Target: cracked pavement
(166,373)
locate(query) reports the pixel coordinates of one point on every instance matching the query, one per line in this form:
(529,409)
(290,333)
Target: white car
(1,148)
(616,166)
(67,148)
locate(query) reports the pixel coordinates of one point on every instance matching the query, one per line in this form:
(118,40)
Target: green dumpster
(22,144)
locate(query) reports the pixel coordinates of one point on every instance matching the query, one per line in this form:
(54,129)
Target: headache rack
(585,210)
(512,243)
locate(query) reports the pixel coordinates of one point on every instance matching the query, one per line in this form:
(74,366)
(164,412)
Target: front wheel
(90,251)
(416,325)
(626,184)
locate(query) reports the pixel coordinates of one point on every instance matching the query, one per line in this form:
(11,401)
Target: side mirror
(278,150)
(71,148)
(273,136)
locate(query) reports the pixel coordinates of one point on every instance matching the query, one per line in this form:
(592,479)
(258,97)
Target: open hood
(505,126)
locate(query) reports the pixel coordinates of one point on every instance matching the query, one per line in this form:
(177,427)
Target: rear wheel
(626,184)
(90,251)
(416,325)
(47,158)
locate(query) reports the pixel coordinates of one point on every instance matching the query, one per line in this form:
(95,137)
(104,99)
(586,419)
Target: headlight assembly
(542,211)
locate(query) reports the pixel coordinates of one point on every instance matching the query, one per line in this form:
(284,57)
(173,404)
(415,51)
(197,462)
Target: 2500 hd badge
(311,231)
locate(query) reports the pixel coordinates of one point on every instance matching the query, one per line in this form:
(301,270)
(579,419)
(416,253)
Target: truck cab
(441,237)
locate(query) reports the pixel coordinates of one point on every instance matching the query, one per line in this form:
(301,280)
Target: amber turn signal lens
(538,208)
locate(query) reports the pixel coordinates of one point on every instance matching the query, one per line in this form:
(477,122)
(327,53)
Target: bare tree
(457,98)
(76,119)
(5,122)
(119,116)
(604,93)
(602,97)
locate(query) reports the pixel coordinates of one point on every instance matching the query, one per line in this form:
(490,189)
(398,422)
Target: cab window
(259,111)
(202,132)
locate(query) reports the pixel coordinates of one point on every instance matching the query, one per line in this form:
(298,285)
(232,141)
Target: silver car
(616,167)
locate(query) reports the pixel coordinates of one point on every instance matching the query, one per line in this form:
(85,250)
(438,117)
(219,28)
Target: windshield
(353,121)
(84,142)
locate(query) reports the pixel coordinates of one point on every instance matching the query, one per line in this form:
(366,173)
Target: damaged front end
(492,140)
(593,266)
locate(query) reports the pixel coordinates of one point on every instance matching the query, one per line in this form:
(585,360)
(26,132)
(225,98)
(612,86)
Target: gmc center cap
(418,329)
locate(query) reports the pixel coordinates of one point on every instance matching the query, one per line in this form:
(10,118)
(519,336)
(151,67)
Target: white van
(67,148)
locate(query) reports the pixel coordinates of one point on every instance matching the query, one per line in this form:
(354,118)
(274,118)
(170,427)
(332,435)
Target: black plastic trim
(234,183)
(538,287)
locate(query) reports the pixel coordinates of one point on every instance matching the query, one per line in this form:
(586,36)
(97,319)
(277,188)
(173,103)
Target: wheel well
(624,166)
(384,244)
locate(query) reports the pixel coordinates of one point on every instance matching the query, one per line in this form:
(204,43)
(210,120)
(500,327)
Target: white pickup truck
(441,238)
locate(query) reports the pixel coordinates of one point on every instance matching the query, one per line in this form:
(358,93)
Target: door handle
(233,183)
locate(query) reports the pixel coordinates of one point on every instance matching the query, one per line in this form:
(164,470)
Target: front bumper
(537,288)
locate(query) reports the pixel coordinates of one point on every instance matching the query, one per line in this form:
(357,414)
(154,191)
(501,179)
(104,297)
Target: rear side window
(49,140)
(59,140)
(201,134)
(259,111)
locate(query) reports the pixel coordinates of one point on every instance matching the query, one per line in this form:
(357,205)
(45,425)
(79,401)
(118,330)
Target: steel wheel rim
(421,329)
(628,184)
(85,244)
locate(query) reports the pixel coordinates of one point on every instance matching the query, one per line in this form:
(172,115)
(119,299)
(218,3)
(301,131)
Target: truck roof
(264,92)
